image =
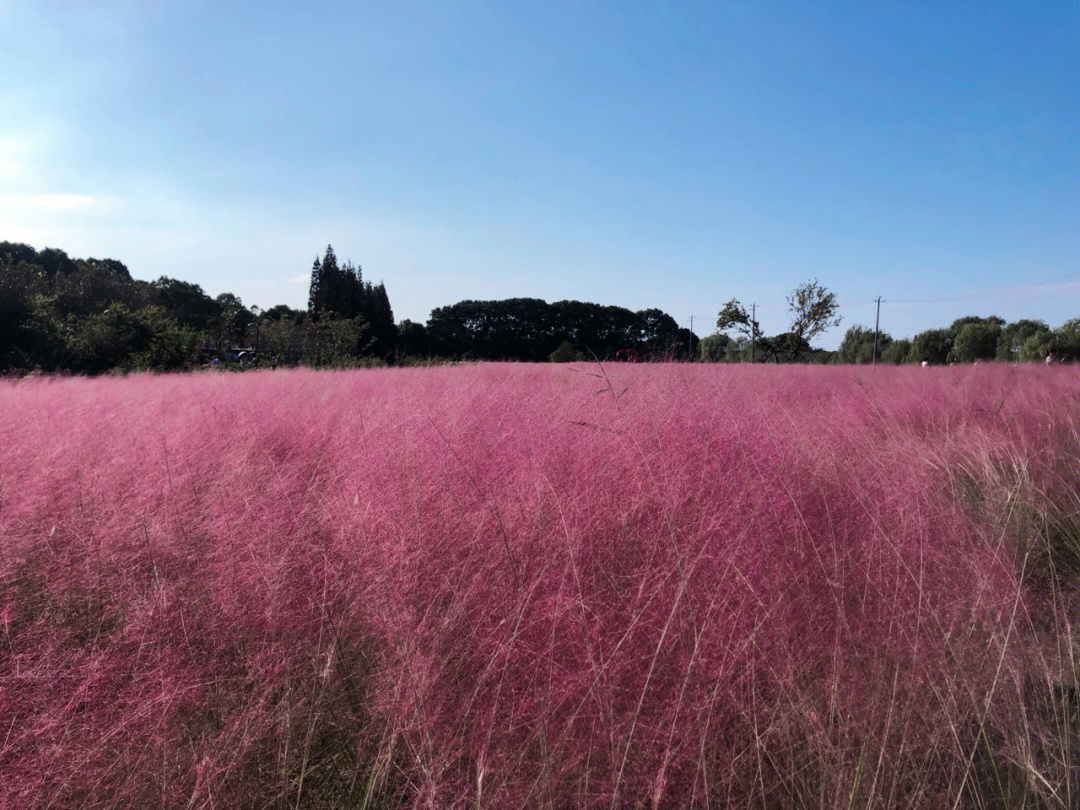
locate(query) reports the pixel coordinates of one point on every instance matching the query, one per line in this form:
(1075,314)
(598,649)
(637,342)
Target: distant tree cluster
(341,292)
(967,340)
(533,330)
(90,316)
(813,309)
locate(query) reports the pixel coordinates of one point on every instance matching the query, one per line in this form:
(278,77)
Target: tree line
(812,310)
(967,340)
(91,316)
(530,329)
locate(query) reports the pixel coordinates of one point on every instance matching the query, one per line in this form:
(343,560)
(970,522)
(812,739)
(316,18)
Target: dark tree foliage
(976,341)
(55,262)
(715,347)
(16,253)
(858,345)
(413,340)
(339,291)
(969,339)
(380,316)
(283,312)
(231,321)
(1064,344)
(566,353)
(791,346)
(1015,335)
(87,315)
(186,301)
(316,299)
(991,321)
(531,329)
(932,346)
(897,352)
(90,316)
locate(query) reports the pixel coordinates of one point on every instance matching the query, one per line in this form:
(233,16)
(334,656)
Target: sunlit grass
(541,586)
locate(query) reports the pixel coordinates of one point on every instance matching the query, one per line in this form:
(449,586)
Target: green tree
(812,309)
(734,317)
(737,351)
(285,337)
(1015,335)
(1065,342)
(162,342)
(413,340)
(283,312)
(16,315)
(858,345)
(714,347)
(381,317)
(896,352)
(330,292)
(315,293)
(339,291)
(791,346)
(976,340)
(960,323)
(104,340)
(231,320)
(186,302)
(1036,348)
(932,346)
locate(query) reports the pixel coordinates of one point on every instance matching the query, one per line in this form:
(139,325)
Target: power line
(972,294)
(989,293)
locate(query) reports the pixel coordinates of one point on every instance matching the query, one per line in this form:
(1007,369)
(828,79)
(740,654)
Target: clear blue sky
(641,154)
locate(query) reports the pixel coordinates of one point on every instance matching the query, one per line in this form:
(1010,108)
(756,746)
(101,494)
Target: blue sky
(642,154)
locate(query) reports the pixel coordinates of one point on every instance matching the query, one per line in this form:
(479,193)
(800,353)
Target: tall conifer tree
(314,300)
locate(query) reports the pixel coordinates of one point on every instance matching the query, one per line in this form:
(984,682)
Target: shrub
(565,353)
(715,347)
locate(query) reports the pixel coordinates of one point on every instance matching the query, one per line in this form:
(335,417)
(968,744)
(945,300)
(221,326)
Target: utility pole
(691,346)
(753,330)
(255,314)
(877,319)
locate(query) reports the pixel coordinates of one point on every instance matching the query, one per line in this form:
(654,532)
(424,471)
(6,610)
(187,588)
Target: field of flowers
(501,586)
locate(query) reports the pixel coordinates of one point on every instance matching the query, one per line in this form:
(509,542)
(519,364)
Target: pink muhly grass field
(541,586)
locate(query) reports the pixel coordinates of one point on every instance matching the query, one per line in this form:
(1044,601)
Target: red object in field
(627,356)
